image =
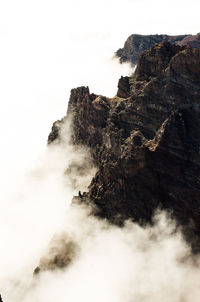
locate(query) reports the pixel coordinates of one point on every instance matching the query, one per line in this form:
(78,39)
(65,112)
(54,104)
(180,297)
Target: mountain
(145,141)
(136,44)
(192,40)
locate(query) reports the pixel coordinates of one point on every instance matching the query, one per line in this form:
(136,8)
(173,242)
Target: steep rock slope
(145,141)
(136,44)
(192,40)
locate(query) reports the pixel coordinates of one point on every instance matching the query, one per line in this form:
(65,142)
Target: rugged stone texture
(136,44)
(191,40)
(123,87)
(54,134)
(146,140)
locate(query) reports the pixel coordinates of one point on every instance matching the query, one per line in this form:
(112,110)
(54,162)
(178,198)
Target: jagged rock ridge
(146,140)
(136,44)
(191,40)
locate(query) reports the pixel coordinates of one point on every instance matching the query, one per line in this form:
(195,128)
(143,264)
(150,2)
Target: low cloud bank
(78,257)
(120,264)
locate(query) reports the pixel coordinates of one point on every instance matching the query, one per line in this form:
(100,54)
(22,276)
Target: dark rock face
(54,135)
(136,44)
(191,40)
(146,140)
(123,87)
(90,120)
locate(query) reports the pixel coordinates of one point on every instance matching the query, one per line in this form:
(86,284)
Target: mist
(52,249)
(48,48)
(122,264)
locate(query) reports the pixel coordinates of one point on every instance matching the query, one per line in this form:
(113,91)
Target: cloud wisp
(76,256)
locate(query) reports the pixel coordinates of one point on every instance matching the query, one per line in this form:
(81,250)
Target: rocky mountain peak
(146,140)
(136,44)
(154,61)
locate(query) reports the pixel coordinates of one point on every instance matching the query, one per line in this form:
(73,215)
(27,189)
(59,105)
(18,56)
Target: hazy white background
(47,48)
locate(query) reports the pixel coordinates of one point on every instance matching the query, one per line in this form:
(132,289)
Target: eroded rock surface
(191,40)
(136,44)
(146,140)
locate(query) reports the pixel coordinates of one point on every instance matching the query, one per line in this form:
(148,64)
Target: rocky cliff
(145,141)
(191,40)
(136,44)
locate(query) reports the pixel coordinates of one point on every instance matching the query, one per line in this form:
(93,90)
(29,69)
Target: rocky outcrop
(136,44)
(146,140)
(123,87)
(191,40)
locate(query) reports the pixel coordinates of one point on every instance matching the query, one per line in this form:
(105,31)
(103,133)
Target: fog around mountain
(48,48)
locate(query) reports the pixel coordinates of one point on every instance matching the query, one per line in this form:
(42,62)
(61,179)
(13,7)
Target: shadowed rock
(123,87)
(136,44)
(146,141)
(191,40)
